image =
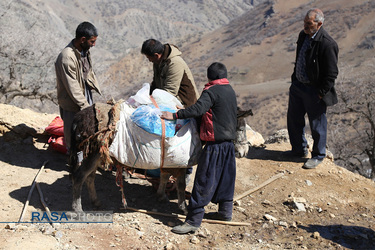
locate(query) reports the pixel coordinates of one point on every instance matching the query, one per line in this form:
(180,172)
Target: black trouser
(214,181)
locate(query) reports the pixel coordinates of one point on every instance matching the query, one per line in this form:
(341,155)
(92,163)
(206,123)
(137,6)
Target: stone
(269,217)
(241,209)
(308,183)
(278,137)
(237,203)
(170,246)
(316,235)
(283,223)
(194,240)
(299,206)
(299,199)
(58,234)
(10,226)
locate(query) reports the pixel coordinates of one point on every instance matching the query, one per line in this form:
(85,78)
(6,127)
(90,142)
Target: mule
(241,144)
(86,124)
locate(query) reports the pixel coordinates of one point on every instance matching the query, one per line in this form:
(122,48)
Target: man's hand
(166,115)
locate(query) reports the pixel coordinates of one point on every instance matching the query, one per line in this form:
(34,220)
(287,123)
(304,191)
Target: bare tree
(353,127)
(11,86)
(26,59)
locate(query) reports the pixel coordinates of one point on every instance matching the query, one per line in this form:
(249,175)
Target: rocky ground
(325,208)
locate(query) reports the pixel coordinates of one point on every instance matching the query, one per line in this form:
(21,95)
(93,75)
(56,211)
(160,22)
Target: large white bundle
(135,147)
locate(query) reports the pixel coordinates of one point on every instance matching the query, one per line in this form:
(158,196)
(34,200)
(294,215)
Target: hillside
(255,39)
(328,207)
(258,48)
(259,45)
(36,31)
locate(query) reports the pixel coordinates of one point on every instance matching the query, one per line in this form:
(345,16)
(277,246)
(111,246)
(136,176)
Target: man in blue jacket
(216,172)
(312,88)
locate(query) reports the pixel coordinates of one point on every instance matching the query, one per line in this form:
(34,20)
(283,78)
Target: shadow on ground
(352,237)
(139,194)
(262,153)
(20,150)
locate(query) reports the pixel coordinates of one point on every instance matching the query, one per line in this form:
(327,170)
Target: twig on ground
(258,187)
(231,223)
(30,192)
(43,202)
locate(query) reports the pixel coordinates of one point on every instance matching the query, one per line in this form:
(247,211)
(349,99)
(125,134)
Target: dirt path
(339,206)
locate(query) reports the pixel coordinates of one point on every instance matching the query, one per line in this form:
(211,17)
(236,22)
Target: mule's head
(241,143)
(84,125)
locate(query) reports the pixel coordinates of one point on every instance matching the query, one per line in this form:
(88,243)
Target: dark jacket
(321,64)
(218,107)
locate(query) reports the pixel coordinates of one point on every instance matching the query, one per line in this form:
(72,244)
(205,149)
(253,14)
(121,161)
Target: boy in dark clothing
(216,171)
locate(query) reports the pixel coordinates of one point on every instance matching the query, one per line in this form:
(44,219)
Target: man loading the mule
(171,73)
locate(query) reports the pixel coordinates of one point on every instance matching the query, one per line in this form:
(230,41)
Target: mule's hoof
(183,208)
(77,208)
(97,203)
(163,199)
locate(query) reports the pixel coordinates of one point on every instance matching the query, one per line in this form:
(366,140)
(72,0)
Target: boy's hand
(166,115)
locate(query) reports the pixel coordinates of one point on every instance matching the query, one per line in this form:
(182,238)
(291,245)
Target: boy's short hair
(216,71)
(152,46)
(87,30)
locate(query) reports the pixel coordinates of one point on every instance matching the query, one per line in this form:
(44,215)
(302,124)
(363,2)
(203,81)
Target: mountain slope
(259,46)
(325,208)
(34,32)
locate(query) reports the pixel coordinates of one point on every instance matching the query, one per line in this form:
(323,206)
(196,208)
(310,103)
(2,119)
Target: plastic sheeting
(135,147)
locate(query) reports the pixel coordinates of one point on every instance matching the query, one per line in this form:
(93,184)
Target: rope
(120,183)
(162,142)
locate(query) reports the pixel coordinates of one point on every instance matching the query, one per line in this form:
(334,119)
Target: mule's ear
(243,113)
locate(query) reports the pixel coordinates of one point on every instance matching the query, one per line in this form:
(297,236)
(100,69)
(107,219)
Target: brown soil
(339,204)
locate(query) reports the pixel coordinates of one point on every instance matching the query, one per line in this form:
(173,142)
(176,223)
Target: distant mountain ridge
(259,46)
(255,39)
(34,32)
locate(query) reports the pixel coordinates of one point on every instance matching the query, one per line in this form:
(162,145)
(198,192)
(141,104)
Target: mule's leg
(90,183)
(77,187)
(181,186)
(164,178)
(77,181)
(79,176)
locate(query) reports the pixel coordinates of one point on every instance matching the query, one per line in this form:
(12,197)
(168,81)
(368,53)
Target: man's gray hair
(319,16)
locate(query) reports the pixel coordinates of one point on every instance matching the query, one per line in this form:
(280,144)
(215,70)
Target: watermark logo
(72,217)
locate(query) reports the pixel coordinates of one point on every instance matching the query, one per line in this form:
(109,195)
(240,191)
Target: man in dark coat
(312,88)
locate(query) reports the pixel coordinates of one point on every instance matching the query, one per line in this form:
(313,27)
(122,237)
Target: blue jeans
(305,100)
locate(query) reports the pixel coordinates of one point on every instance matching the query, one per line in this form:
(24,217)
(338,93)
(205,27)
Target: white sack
(141,97)
(134,147)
